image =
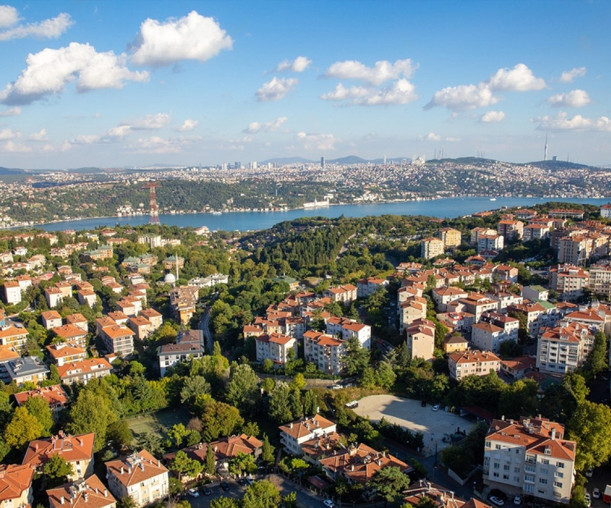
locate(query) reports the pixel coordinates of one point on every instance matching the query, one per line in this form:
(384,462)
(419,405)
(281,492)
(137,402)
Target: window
(545,461)
(496,465)
(558,484)
(498,446)
(506,467)
(516,479)
(559,464)
(543,481)
(516,469)
(558,474)
(505,477)
(496,475)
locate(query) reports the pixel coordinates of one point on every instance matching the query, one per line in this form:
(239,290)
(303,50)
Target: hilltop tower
(154,213)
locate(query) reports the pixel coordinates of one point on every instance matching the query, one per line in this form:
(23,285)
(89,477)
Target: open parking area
(434,425)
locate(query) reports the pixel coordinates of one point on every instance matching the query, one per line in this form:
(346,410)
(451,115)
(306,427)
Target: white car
(328,503)
(496,500)
(517,500)
(193,492)
(589,473)
(435,407)
(588,499)
(596,493)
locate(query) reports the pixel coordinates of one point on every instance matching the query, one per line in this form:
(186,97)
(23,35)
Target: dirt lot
(410,414)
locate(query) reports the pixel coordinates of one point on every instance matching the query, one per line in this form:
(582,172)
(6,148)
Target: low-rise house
(367,287)
(189,344)
(16,486)
(294,434)
(477,363)
(211,280)
(78,320)
(51,319)
(359,464)
(55,395)
(455,342)
(75,450)
(53,296)
(446,294)
(87,297)
(140,476)
(24,370)
(517,368)
(345,294)
(421,339)
(84,370)
(154,317)
(85,493)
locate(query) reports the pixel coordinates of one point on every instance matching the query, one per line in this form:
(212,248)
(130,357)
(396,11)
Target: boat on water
(492,199)
(217,213)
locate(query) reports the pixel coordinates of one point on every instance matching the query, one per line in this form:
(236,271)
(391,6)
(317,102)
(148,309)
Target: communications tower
(154,213)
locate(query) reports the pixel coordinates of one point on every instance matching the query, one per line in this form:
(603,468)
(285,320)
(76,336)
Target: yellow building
(450,237)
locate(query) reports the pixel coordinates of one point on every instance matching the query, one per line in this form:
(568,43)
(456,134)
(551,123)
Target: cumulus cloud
(300,64)
(156,144)
(8,16)
(562,122)
(192,37)
(8,134)
(188,125)
(463,97)
(492,117)
(518,79)
(431,136)
(399,92)
(572,99)
(47,29)
(11,112)
(569,76)
(276,89)
(149,122)
(317,141)
(11,146)
(49,71)
(381,72)
(255,127)
(41,135)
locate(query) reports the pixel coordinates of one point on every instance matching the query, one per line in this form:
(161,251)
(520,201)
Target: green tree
(251,429)
(389,483)
(120,433)
(22,428)
(218,419)
(267,451)
(194,385)
(280,403)
(356,357)
(243,386)
(368,378)
(262,494)
(185,466)
(91,413)
(590,426)
(39,408)
(290,500)
(57,470)
(598,360)
(299,381)
(242,463)
(224,502)
(310,403)
(385,376)
(210,465)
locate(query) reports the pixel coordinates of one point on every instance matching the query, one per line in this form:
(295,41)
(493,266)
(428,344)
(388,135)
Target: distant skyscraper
(322,162)
(545,150)
(385,160)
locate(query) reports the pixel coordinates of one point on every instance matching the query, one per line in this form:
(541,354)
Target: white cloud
(275,89)
(47,29)
(569,76)
(49,71)
(149,122)
(156,144)
(431,136)
(317,141)
(10,112)
(11,146)
(8,134)
(573,99)
(562,122)
(193,37)
(382,70)
(518,79)
(493,117)
(119,131)
(300,64)
(463,97)
(399,92)
(8,16)
(255,127)
(188,125)
(41,135)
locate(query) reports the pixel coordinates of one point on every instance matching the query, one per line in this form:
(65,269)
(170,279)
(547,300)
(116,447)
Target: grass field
(157,423)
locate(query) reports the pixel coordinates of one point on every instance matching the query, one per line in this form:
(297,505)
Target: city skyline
(187,82)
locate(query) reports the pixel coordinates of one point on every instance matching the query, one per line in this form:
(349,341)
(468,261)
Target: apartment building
(476,363)
(530,457)
(450,237)
(275,347)
(564,348)
(348,328)
(90,493)
(488,245)
(324,351)
(294,434)
(140,476)
(16,486)
(600,280)
(536,232)
(189,344)
(84,370)
(367,287)
(510,229)
(118,339)
(446,294)
(12,292)
(345,294)
(51,319)
(420,339)
(431,247)
(569,281)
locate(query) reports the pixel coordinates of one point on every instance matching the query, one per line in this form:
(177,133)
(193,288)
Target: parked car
(328,503)
(517,500)
(589,473)
(193,492)
(435,407)
(496,500)
(596,493)
(588,499)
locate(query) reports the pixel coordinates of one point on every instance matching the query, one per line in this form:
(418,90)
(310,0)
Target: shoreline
(40,225)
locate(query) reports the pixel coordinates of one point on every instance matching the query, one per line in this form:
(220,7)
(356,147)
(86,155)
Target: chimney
(62,500)
(105,492)
(553,435)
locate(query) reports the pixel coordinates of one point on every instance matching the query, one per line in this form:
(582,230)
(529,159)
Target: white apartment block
(345,294)
(487,337)
(569,281)
(490,243)
(367,287)
(12,292)
(293,434)
(530,458)
(565,348)
(275,347)
(446,294)
(600,280)
(431,247)
(324,351)
(348,328)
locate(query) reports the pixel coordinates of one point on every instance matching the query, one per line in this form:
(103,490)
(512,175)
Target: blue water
(244,221)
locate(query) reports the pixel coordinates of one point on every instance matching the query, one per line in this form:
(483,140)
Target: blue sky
(111,83)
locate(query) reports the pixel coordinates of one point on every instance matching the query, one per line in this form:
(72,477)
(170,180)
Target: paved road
(204,325)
